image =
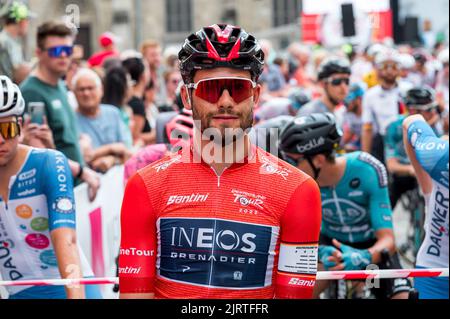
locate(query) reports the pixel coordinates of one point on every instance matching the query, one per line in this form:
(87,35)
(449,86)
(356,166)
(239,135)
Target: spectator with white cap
(12,60)
(381,104)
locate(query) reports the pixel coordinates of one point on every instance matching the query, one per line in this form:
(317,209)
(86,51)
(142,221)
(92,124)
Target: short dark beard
(246,123)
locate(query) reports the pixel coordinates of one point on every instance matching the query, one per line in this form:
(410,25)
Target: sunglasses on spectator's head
(57,52)
(339,81)
(210,90)
(9,130)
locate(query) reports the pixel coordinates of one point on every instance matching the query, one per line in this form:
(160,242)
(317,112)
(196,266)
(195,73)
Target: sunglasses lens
(212,90)
(337,82)
(57,52)
(9,130)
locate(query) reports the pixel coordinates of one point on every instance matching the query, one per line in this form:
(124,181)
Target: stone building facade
(169,21)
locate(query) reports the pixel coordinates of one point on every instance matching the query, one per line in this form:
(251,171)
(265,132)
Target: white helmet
(389,55)
(443,56)
(407,61)
(11,100)
(376,49)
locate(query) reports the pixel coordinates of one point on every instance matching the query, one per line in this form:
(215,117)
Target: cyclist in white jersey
(37,211)
(429,157)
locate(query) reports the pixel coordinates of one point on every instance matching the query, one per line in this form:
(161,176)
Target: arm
(395,167)
(300,230)
(138,228)
(62,225)
(385,240)
(66,250)
(428,154)
(366,138)
(88,176)
(367,129)
(117,150)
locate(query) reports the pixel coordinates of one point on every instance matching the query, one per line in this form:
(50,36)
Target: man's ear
(319,160)
(186,98)
(257,94)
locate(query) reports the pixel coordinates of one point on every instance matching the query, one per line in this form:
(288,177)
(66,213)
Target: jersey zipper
(12,180)
(219,179)
(339,210)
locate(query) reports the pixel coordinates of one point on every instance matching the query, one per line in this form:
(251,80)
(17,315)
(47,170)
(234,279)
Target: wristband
(80,173)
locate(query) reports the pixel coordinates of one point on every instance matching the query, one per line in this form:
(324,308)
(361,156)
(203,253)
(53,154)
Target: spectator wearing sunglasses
(334,78)
(172,78)
(12,61)
(382,104)
(45,85)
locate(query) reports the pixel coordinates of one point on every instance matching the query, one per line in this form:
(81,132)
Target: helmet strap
(315,169)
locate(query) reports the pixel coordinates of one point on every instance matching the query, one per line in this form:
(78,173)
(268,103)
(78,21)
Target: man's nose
(226,100)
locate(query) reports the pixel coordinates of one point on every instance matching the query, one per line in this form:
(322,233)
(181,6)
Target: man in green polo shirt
(12,62)
(45,85)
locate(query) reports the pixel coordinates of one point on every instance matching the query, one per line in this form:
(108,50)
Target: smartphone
(37,112)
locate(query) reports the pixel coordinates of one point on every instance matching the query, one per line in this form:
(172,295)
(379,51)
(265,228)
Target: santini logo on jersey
(193,198)
(216,253)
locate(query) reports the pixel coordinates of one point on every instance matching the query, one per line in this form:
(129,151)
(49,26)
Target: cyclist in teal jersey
(357,216)
(37,211)
(420,100)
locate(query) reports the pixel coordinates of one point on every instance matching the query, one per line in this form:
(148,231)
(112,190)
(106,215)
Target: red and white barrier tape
(324,275)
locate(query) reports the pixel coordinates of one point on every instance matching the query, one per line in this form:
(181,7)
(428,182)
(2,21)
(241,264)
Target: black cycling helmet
(299,98)
(421,98)
(220,45)
(333,66)
(311,135)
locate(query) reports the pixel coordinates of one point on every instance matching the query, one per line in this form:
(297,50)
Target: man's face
(173,81)
(8,147)
(226,113)
(355,106)
(337,87)
(153,57)
(389,72)
(88,93)
(23,27)
(56,65)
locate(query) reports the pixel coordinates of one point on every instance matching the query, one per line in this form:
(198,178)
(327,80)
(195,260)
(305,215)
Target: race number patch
(298,259)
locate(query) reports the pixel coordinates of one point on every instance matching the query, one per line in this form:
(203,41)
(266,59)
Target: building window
(179,15)
(286,12)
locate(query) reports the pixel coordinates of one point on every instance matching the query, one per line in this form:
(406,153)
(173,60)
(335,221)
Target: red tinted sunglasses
(210,90)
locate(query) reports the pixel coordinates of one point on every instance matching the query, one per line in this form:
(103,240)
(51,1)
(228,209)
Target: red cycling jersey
(250,233)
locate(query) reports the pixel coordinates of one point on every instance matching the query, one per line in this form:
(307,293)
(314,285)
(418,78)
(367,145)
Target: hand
(92,179)
(39,136)
(45,134)
(329,256)
(103,164)
(352,258)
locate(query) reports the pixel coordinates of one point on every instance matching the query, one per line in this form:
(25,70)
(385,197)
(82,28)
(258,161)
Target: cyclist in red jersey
(221,218)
